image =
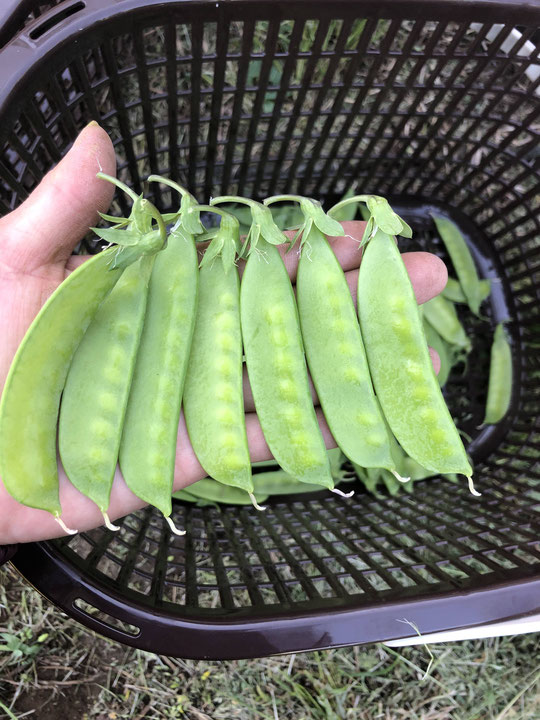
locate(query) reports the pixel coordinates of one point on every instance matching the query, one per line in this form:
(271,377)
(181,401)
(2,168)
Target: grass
(56,668)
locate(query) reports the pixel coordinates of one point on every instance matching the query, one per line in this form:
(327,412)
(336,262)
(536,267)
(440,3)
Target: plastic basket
(429,103)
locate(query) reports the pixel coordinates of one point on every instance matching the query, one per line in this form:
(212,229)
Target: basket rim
(259,635)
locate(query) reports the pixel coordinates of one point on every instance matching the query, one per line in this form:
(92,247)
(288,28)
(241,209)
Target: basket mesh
(242,98)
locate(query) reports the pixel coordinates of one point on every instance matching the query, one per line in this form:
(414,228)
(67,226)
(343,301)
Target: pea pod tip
(173,527)
(341,493)
(108,523)
(255,503)
(399,477)
(472,489)
(64,527)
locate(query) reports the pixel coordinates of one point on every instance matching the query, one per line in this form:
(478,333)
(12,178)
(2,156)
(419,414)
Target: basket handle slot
(51,20)
(102,618)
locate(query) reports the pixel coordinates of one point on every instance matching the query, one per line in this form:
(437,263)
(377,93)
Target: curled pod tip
(255,503)
(108,523)
(173,527)
(472,489)
(339,492)
(64,527)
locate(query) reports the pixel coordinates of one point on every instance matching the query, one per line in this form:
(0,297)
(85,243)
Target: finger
(427,272)
(345,248)
(47,226)
(436,360)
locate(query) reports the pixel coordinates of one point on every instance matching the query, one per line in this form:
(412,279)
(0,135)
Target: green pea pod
(279,482)
(454,292)
(28,462)
(213,395)
(277,370)
(462,261)
(336,356)
(31,396)
(441,315)
(186,496)
(500,378)
(443,350)
(148,447)
(97,387)
(399,361)
(275,358)
(210,489)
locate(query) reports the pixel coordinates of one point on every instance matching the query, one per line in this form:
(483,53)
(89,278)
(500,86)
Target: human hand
(36,245)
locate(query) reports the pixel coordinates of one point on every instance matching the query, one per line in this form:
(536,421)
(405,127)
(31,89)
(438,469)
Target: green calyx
(225,242)
(382,216)
(135,235)
(187,218)
(313,215)
(262,225)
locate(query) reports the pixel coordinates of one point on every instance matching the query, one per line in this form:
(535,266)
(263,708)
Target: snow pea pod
(435,341)
(215,491)
(213,394)
(277,370)
(400,364)
(333,344)
(97,387)
(500,378)
(31,397)
(275,358)
(441,315)
(279,482)
(454,292)
(148,446)
(462,261)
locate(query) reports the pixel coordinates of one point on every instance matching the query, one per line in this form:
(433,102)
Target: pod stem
(283,198)
(255,503)
(339,492)
(119,184)
(472,489)
(399,477)
(173,527)
(108,523)
(234,199)
(169,183)
(212,209)
(64,527)
(349,201)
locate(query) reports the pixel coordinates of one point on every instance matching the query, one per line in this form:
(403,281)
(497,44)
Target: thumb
(56,216)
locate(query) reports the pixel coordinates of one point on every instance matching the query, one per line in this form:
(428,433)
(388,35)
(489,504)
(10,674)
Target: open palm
(36,245)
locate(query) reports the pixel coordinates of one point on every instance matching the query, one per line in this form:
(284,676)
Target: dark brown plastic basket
(433,104)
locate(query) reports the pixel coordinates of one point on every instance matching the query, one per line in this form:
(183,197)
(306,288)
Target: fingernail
(92,123)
